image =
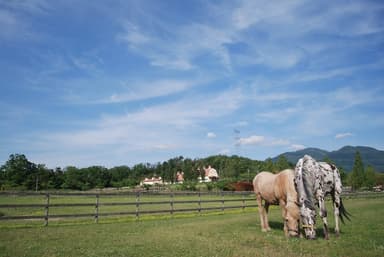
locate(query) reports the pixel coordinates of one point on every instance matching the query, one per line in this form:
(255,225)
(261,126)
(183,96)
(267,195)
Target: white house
(152,181)
(210,175)
(180,177)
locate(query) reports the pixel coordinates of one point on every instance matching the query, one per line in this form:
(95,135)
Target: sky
(114,83)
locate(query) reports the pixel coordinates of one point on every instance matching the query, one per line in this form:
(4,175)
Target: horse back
(284,185)
(263,185)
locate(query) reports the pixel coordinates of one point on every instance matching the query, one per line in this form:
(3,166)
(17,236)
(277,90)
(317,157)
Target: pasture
(232,233)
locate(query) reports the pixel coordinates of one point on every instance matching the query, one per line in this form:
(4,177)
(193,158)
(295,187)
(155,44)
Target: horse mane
(308,184)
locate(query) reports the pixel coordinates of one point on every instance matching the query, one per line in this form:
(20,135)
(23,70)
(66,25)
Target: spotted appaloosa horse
(278,189)
(313,181)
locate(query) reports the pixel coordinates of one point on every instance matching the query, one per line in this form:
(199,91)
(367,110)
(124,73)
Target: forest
(18,173)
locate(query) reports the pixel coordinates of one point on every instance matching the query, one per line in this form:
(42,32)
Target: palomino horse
(278,189)
(313,181)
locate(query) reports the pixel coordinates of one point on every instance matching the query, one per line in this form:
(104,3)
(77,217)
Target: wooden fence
(197,202)
(135,204)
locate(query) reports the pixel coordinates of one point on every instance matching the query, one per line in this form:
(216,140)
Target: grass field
(233,233)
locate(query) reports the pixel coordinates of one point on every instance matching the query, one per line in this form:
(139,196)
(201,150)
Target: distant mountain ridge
(344,157)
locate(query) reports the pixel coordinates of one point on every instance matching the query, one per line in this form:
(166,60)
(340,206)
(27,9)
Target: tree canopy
(20,173)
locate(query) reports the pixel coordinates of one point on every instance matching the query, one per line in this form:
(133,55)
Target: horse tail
(343,212)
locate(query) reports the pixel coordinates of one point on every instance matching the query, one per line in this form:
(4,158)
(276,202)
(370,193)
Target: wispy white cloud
(292,23)
(343,135)
(251,140)
(15,18)
(149,89)
(242,123)
(179,49)
(225,151)
(157,128)
(262,140)
(297,147)
(88,62)
(132,35)
(250,13)
(211,135)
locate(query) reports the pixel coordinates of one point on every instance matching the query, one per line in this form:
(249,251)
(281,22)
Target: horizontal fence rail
(98,204)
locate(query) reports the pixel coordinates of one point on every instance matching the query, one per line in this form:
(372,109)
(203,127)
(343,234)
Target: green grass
(229,234)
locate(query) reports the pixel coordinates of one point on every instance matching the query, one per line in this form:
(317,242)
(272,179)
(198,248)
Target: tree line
(18,173)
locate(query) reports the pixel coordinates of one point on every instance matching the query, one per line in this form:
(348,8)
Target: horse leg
(323,215)
(284,215)
(336,205)
(261,212)
(266,223)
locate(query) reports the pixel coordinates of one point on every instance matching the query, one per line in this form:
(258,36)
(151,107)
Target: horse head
(292,219)
(308,220)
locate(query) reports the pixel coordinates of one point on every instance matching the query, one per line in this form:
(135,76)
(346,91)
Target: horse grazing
(313,181)
(278,189)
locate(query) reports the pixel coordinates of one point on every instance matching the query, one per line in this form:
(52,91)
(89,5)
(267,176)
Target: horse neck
(306,170)
(289,186)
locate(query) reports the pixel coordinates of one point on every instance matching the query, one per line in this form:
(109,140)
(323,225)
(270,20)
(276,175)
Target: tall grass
(228,234)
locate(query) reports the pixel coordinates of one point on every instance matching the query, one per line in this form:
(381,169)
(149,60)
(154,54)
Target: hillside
(344,157)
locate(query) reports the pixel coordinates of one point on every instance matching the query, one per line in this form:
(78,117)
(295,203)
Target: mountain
(344,157)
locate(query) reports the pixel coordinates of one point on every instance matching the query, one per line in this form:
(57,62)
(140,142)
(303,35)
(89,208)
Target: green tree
(72,178)
(189,172)
(268,165)
(282,164)
(370,177)
(357,177)
(343,175)
(18,171)
(120,176)
(379,178)
(56,179)
(96,176)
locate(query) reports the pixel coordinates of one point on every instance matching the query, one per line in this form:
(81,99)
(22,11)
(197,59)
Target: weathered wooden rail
(240,200)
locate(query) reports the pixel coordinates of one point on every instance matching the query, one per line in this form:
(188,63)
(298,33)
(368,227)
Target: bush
(202,187)
(186,186)
(224,185)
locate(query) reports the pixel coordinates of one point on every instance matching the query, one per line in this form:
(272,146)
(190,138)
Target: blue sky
(123,82)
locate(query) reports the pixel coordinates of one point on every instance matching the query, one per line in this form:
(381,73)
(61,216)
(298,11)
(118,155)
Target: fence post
(199,203)
(46,209)
(222,201)
(137,205)
(97,209)
(171,202)
(243,194)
